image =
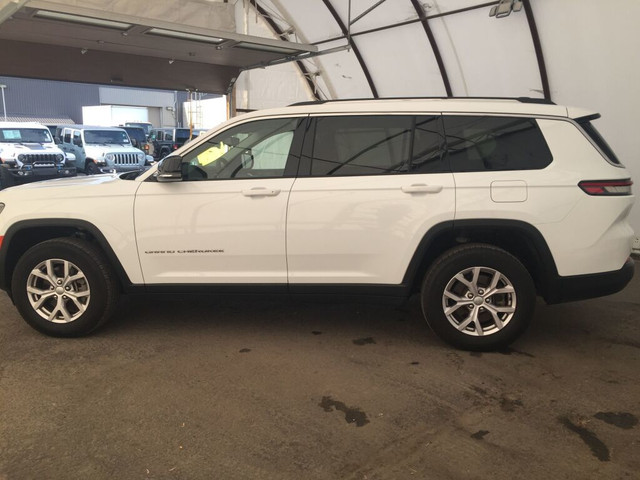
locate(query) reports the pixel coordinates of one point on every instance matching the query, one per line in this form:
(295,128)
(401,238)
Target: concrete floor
(200,388)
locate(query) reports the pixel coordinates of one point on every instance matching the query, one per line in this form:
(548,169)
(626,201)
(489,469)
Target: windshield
(25,135)
(136,133)
(106,136)
(147,126)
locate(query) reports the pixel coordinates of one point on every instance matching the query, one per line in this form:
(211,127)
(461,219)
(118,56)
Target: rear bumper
(581,287)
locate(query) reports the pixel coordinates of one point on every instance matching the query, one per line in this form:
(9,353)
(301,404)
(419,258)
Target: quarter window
(485,143)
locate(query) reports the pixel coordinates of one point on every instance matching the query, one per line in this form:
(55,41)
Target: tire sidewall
(94,313)
(442,273)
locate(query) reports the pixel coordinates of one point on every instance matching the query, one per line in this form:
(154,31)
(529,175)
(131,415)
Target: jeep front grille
(40,159)
(126,159)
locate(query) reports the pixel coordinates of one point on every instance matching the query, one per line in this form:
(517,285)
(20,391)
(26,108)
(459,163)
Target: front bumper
(18,176)
(581,287)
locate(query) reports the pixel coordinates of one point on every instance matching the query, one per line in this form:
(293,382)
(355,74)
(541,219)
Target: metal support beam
(367,11)
(409,22)
(538,48)
(280,33)
(434,46)
(356,52)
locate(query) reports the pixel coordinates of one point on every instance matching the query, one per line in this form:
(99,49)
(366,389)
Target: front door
(224,222)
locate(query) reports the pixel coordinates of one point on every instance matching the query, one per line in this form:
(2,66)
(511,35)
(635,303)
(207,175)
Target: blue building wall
(46,98)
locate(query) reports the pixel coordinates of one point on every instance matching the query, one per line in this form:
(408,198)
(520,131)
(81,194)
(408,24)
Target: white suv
(479,205)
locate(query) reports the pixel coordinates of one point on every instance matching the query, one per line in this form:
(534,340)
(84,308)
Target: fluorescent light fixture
(184,35)
(265,48)
(96,22)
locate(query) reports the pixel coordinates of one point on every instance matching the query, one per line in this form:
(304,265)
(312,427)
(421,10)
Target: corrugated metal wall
(43,98)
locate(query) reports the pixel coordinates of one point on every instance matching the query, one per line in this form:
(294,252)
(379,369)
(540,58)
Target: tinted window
(593,133)
(119,137)
(477,143)
(257,149)
(428,146)
(361,145)
(182,134)
(67,136)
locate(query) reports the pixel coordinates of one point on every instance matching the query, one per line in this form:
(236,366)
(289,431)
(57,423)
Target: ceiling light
(505,7)
(97,22)
(183,35)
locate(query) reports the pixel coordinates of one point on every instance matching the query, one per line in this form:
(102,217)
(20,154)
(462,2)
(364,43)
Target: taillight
(606,187)
(146,148)
(175,146)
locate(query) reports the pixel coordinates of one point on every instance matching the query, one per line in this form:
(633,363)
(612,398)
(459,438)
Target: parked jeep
(28,154)
(478,205)
(101,149)
(166,140)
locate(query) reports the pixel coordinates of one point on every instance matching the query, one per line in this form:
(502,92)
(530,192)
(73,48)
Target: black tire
(482,321)
(97,291)
(90,168)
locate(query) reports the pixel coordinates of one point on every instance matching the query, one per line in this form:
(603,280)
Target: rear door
(370,188)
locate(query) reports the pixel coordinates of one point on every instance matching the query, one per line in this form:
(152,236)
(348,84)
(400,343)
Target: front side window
(67,136)
(487,143)
(257,149)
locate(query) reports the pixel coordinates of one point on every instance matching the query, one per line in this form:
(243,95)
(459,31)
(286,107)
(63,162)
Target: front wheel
(64,287)
(91,168)
(478,297)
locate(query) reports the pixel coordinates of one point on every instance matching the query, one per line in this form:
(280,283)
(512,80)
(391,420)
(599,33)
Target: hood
(11,149)
(87,181)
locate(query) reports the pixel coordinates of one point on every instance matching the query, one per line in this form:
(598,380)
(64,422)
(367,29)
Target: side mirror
(134,142)
(170,169)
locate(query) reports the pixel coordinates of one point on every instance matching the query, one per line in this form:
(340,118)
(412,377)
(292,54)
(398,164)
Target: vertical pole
(4,105)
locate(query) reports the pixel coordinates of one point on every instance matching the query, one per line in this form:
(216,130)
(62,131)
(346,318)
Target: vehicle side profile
(477,205)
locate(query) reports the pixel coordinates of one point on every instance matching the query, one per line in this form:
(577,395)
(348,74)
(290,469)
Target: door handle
(261,192)
(421,188)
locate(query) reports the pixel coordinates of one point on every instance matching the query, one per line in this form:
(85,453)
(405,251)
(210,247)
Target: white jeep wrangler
(478,205)
(28,154)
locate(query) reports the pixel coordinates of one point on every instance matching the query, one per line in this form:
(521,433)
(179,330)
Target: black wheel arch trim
(63,223)
(447,234)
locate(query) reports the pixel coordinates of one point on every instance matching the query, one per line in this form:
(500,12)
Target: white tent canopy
(587,51)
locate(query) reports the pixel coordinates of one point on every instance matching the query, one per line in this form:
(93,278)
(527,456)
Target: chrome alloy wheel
(58,290)
(479,301)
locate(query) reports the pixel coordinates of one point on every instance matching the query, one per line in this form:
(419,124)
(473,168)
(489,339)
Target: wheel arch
(25,234)
(519,238)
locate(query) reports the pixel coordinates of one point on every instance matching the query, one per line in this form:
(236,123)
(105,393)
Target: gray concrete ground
(201,388)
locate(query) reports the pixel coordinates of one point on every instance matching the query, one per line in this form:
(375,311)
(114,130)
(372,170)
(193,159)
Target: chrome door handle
(261,192)
(421,188)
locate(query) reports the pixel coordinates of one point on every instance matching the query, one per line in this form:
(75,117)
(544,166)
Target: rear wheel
(64,287)
(478,297)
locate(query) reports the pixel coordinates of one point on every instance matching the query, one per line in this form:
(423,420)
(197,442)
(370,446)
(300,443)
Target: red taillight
(175,146)
(1,239)
(146,148)
(606,187)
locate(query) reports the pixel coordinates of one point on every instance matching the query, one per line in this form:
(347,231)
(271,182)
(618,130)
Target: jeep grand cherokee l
(478,205)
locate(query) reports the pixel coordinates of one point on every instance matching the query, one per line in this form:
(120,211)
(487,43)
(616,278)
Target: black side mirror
(170,169)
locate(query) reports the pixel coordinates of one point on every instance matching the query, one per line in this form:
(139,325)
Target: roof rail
(518,99)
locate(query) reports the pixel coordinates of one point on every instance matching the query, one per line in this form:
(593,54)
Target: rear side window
(594,135)
(485,143)
(67,136)
(361,145)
